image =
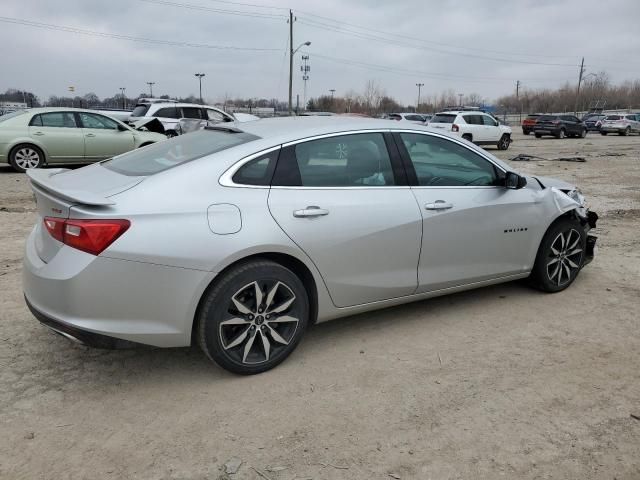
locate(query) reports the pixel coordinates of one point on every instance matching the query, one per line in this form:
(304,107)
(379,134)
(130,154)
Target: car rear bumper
(89,298)
(612,128)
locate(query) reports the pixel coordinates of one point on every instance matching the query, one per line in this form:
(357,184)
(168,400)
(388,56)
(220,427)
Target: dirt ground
(501,382)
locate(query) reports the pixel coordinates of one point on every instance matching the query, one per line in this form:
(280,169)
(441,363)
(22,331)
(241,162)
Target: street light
(332,90)
(419,85)
(292,52)
(124,98)
(151,84)
(200,75)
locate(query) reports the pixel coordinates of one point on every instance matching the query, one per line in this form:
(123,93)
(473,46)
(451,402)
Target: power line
(93,33)
(271,16)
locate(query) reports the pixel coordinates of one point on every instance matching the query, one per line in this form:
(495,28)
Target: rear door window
(167,112)
(54,119)
(191,112)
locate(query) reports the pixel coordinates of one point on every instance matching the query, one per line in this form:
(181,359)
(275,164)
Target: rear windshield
(442,118)
(547,117)
(7,116)
(140,110)
(613,117)
(177,151)
(532,117)
(394,116)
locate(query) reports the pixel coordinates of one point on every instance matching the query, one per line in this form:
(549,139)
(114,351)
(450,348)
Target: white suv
(474,126)
(170,113)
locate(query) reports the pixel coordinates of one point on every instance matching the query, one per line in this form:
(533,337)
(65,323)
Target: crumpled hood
(553,182)
(150,124)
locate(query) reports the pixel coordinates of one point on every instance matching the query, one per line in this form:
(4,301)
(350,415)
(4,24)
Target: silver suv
(169,113)
(622,124)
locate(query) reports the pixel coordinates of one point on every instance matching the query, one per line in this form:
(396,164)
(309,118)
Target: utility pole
(290,59)
(151,84)
(305,69)
(461,95)
(124,98)
(575,109)
(419,85)
(518,100)
(200,75)
(332,90)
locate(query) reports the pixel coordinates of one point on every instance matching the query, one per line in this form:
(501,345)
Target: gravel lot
(501,382)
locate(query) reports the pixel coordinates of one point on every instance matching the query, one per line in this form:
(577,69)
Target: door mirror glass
(514,181)
(122,128)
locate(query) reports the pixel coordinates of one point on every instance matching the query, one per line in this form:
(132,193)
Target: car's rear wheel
(504,142)
(583,133)
(538,135)
(525,132)
(560,256)
(253,317)
(25,157)
(603,133)
(467,137)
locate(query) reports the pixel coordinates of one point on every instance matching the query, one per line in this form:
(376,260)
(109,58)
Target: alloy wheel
(261,320)
(565,257)
(27,158)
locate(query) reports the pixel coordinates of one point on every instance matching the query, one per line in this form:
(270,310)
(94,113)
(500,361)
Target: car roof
(37,110)
(175,104)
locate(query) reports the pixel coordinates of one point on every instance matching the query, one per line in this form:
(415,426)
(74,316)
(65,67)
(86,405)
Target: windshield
(442,118)
(177,151)
(11,115)
(140,110)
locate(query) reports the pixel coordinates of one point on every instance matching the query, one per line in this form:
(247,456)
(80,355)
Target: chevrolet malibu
(240,239)
(39,136)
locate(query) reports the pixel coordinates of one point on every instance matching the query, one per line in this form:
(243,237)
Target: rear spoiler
(44,178)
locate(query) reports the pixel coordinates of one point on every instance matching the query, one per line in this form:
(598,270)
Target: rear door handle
(311,211)
(438,205)
(39,134)
(89,135)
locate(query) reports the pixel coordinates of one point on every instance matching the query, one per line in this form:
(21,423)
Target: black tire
(538,135)
(544,275)
(583,133)
(525,132)
(229,318)
(467,137)
(603,133)
(26,156)
(561,133)
(171,133)
(504,142)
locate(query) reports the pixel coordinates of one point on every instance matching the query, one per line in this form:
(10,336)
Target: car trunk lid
(57,190)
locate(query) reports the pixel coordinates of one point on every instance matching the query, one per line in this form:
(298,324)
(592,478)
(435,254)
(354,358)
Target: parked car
(170,113)
(475,126)
(409,117)
(38,136)
(593,121)
(622,124)
(529,122)
(559,126)
(269,229)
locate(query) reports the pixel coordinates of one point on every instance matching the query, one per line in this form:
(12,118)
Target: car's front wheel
(560,256)
(504,142)
(25,157)
(561,133)
(253,317)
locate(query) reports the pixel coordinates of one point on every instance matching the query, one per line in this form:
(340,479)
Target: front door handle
(89,135)
(311,211)
(438,205)
(39,134)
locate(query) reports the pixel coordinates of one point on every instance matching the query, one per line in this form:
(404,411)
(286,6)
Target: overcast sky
(466,45)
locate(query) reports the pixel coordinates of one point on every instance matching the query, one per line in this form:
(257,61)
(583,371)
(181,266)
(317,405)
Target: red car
(529,122)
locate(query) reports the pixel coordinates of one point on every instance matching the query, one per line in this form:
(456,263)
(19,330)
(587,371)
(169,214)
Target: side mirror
(122,128)
(514,181)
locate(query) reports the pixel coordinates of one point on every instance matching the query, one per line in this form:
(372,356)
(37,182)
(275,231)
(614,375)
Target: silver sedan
(239,237)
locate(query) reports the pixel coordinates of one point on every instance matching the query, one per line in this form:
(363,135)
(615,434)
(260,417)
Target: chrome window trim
(226,179)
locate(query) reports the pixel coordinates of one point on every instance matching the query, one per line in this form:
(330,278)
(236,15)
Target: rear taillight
(455,128)
(91,236)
